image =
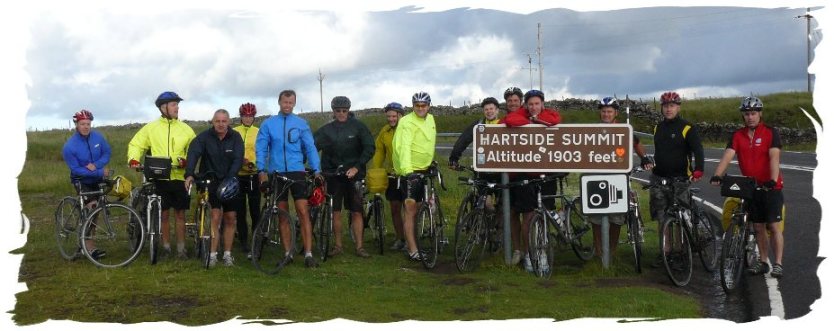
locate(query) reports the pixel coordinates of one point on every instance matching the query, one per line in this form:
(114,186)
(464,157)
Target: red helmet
(82,115)
(670,97)
(248,109)
(317,197)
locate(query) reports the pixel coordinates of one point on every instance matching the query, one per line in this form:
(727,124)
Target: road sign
(598,148)
(604,194)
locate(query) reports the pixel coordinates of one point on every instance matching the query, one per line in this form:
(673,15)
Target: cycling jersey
(465,138)
(249,134)
(413,143)
(521,117)
(383,152)
(348,144)
(164,138)
(675,142)
(79,151)
(284,143)
(754,154)
(223,156)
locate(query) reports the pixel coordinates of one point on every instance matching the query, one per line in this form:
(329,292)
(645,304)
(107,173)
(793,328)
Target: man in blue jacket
(86,154)
(284,142)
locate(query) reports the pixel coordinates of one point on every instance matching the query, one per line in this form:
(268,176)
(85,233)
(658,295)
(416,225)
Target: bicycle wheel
(676,251)
(470,241)
(268,250)
(538,247)
(635,239)
(67,225)
(425,236)
(732,255)
(378,219)
(439,226)
(581,239)
(467,204)
(323,229)
(706,239)
(154,234)
(110,227)
(204,233)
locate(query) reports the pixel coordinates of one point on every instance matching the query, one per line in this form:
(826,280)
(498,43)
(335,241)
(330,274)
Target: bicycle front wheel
(424,233)
(112,230)
(732,255)
(378,210)
(154,219)
(268,250)
(467,204)
(322,229)
(581,240)
(204,234)
(707,239)
(676,251)
(470,241)
(634,235)
(67,226)
(538,247)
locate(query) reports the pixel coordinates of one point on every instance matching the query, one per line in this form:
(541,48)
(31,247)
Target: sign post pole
(604,239)
(505,203)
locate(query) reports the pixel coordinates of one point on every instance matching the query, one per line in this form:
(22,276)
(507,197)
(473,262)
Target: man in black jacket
(220,150)
(348,143)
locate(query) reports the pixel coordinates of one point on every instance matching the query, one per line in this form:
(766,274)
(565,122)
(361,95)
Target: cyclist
(86,154)
(383,154)
(218,150)
(345,142)
(167,137)
(248,176)
(758,147)
(513,97)
(675,144)
(523,198)
(283,145)
(608,109)
(413,147)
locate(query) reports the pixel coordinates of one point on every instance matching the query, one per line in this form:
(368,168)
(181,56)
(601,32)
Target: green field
(382,289)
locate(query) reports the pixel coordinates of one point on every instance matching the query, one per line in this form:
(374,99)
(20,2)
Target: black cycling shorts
(766,206)
(173,194)
(523,199)
(298,190)
(393,192)
(344,193)
(215,202)
(412,188)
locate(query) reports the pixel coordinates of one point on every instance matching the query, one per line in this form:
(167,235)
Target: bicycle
(684,231)
(634,224)
(149,206)
(322,218)
(738,248)
(477,229)
(200,227)
(274,240)
(429,223)
(373,215)
(114,227)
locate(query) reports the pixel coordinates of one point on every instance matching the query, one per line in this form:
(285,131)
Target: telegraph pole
(530,67)
(321,90)
(539,52)
(808,18)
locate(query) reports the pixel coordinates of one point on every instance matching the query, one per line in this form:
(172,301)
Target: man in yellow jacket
(167,137)
(413,147)
(248,176)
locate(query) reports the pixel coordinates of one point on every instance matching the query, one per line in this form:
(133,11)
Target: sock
(180,247)
(227,253)
(308,254)
(213,255)
(166,246)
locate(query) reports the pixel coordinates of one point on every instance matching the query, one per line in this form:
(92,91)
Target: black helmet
(395,106)
(533,93)
(340,102)
(751,103)
(167,97)
(228,189)
(511,91)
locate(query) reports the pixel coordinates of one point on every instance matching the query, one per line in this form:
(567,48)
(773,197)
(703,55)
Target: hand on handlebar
(716,180)
(133,163)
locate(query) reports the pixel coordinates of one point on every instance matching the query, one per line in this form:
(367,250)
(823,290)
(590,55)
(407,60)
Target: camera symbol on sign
(601,194)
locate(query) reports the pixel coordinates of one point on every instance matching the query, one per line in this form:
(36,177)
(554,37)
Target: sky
(115,61)
(59,57)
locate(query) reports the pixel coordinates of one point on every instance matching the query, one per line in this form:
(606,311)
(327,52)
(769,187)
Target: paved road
(800,286)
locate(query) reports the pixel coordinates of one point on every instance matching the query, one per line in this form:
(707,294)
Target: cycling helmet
(533,93)
(167,97)
(751,103)
(395,106)
(317,197)
(670,97)
(489,100)
(248,109)
(228,189)
(82,115)
(340,102)
(608,102)
(513,90)
(421,97)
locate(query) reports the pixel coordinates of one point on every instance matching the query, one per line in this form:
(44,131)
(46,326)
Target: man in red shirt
(758,148)
(523,198)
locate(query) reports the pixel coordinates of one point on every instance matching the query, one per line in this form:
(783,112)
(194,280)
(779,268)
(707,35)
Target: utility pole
(530,67)
(321,90)
(539,52)
(808,18)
